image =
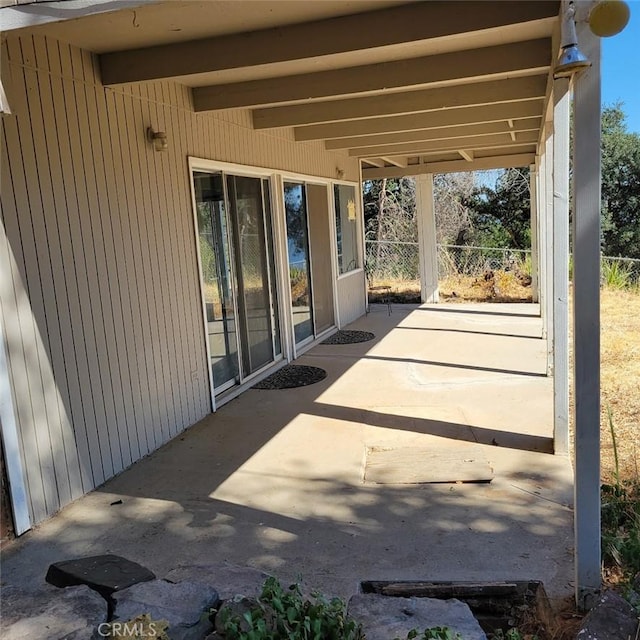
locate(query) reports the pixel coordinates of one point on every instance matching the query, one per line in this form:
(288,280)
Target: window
(346,228)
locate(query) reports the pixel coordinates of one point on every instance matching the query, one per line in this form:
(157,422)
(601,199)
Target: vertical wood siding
(99,284)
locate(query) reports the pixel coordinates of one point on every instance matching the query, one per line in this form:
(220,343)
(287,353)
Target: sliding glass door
(309,248)
(295,204)
(238,275)
(217,280)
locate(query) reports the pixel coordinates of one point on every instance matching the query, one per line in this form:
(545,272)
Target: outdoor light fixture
(609,17)
(158,139)
(571,59)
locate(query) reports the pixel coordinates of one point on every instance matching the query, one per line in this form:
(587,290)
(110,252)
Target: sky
(620,69)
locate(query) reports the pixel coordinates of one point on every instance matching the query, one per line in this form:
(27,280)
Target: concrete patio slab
(275,479)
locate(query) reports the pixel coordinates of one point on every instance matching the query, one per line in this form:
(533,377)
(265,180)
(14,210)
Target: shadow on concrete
(476,333)
(274,480)
(483,312)
(454,365)
(442,429)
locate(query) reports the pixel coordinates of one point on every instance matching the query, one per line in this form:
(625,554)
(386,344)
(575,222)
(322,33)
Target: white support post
(549,248)
(533,200)
(561,267)
(586,320)
(428,249)
(542,240)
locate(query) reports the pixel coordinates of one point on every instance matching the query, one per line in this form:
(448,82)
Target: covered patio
(164,161)
(275,479)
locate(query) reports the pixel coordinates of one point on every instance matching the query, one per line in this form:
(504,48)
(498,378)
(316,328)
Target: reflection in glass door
(238,275)
(215,268)
(247,213)
(295,204)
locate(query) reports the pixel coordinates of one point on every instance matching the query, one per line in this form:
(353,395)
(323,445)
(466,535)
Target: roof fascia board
(24,15)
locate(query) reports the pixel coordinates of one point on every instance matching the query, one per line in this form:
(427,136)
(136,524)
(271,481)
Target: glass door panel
(252,268)
(321,271)
(215,269)
(298,250)
(268,226)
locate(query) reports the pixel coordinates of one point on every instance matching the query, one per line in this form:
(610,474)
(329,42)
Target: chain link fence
(476,261)
(398,263)
(392,262)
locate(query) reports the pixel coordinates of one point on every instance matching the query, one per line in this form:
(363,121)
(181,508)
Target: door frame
(276,179)
(288,176)
(226,168)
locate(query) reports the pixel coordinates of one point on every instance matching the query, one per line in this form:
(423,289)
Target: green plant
(616,275)
(287,615)
(620,518)
(438,633)
(512,634)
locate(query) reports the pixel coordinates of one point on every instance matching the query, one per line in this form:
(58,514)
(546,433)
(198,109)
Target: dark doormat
(348,336)
(291,376)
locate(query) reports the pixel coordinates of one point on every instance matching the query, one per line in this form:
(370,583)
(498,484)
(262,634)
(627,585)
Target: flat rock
(385,617)
(612,618)
(105,574)
(227,579)
(184,605)
(51,614)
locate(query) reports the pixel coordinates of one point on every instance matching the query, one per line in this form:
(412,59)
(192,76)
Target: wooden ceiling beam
(397,25)
(396,162)
(417,121)
(480,93)
(442,133)
(451,166)
(508,60)
(374,162)
(417,148)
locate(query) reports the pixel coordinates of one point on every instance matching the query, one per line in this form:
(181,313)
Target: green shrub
(286,614)
(434,633)
(616,275)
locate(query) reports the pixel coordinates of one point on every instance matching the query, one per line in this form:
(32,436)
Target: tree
(501,214)
(620,185)
(451,191)
(390,210)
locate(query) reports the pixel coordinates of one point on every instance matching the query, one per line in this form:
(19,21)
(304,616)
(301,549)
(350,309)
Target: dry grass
(494,286)
(497,286)
(620,380)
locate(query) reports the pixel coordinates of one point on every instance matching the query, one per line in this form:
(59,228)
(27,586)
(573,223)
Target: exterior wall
(99,282)
(351,296)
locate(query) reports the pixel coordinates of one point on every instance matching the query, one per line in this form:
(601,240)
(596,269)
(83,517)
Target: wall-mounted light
(571,59)
(609,18)
(339,173)
(158,139)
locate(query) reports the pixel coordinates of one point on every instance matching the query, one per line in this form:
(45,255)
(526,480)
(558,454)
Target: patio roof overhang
(406,87)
